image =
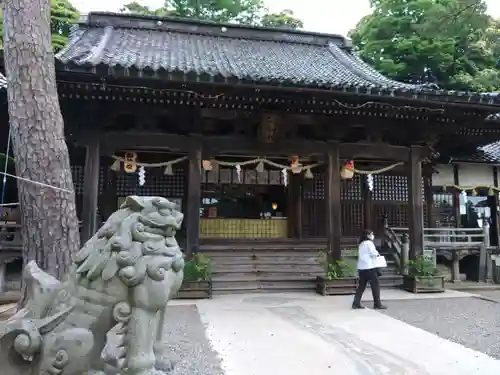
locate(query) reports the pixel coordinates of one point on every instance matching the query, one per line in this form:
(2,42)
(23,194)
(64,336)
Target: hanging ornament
(464,195)
(369,181)
(445,188)
(347,171)
(284,172)
(142,176)
(130,164)
(116,166)
(474,192)
(238,172)
(309,175)
(295,165)
(207,165)
(169,171)
(491,192)
(260,167)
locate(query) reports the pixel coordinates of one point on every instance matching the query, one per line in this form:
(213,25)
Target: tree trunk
(49,222)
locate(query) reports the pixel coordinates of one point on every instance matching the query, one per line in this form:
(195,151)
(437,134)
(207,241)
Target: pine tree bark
(49,222)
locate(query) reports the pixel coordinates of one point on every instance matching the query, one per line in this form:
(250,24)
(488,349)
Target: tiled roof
(201,51)
(486,154)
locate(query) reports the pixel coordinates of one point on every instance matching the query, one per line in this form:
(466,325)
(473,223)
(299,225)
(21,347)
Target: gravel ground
(472,322)
(190,348)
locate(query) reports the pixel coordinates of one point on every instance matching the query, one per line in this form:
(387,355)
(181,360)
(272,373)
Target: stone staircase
(391,277)
(260,268)
(279,266)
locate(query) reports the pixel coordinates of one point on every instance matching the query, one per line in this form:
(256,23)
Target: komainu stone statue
(108,316)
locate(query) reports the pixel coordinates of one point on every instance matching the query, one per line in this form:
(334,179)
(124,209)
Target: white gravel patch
(471,322)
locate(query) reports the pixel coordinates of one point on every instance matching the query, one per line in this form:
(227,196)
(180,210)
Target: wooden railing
(452,238)
(10,248)
(10,237)
(450,242)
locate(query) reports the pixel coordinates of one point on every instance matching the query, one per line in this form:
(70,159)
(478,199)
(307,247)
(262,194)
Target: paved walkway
(297,334)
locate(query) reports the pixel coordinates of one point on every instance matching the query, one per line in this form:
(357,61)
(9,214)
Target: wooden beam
(193,201)
(415,201)
(114,141)
(90,190)
(333,206)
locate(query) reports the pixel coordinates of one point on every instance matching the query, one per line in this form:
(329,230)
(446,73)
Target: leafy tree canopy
(451,42)
(62,15)
(249,12)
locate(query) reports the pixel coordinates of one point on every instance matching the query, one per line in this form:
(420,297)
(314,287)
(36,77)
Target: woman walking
(367,254)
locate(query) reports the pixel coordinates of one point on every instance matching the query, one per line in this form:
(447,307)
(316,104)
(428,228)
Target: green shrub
(422,267)
(341,269)
(198,268)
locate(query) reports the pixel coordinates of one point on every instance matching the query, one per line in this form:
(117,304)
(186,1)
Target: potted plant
(423,277)
(340,278)
(197,282)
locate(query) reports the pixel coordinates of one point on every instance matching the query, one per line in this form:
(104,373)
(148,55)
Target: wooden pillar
(333,214)
(415,200)
(108,202)
(495,225)
(90,190)
(193,201)
(295,206)
(429,199)
(3,274)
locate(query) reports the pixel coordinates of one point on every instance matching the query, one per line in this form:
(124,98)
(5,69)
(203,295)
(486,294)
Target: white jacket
(367,252)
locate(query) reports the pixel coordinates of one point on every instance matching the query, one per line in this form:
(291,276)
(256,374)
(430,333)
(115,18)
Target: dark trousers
(366,276)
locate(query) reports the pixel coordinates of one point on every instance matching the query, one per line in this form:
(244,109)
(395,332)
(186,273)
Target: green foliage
(248,12)
(340,269)
(454,41)
(284,19)
(198,268)
(62,15)
(422,267)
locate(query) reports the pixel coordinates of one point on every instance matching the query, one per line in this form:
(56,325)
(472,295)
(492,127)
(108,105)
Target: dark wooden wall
(360,208)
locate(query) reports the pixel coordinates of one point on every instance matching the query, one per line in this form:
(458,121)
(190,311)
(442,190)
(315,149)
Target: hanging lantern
(130,164)
(169,171)
(295,165)
(260,167)
(207,165)
(474,192)
(215,165)
(309,175)
(274,206)
(116,166)
(347,171)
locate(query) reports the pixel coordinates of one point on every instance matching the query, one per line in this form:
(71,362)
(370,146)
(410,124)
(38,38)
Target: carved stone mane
(132,241)
(108,316)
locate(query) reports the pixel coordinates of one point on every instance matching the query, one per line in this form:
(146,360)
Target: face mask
(371,237)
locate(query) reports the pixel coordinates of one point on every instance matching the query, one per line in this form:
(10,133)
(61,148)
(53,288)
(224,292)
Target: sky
(324,16)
